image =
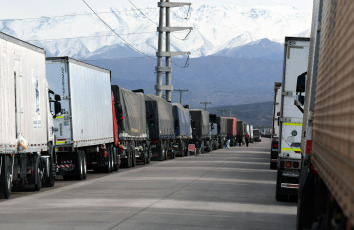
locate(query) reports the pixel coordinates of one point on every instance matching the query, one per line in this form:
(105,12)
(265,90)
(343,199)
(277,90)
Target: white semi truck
(326,193)
(296,51)
(27,139)
(87,135)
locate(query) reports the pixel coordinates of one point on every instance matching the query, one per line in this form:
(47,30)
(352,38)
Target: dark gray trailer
(213,126)
(161,128)
(241,132)
(222,130)
(131,118)
(200,129)
(183,130)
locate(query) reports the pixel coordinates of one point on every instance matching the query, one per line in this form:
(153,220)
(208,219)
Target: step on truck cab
(27,138)
(296,51)
(86,134)
(134,143)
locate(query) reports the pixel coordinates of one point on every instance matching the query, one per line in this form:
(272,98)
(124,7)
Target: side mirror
(57,107)
(301,83)
(57,97)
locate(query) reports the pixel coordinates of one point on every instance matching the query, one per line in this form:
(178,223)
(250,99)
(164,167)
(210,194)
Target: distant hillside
(258,114)
(220,80)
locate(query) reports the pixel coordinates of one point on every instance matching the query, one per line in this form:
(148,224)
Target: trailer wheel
(50,181)
(133,159)
(37,174)
(5,178)
(80,168)
(115,159)
(108,168)
(84,164)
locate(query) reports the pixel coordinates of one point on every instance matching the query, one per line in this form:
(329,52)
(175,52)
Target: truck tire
(50,181)
(5,178)
(115,159)
(273,165)
(80,167)
(108,167)
(129,159)
(84,164)
(37,173)
(133,159)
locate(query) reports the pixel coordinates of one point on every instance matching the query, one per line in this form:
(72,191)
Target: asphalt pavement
(224,189)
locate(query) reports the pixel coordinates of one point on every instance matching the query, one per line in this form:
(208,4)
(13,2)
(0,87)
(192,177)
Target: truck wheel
(133,159)
(5,178)
(50,181)
(115,159)
(108,167)
(37,174)
(129,159)
(273,165)
(84,164)
(80,167)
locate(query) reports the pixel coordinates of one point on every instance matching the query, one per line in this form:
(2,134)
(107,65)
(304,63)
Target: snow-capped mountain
(215,28)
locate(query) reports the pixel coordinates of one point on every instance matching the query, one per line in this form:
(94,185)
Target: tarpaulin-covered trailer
(160,123)
(131,118)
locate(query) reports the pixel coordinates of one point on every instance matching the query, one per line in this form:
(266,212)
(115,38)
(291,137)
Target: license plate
(291,173)
(153,146)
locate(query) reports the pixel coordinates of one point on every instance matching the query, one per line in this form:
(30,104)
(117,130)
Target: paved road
(224,189)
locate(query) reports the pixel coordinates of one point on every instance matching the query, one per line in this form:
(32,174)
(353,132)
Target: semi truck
(222,131)
(257,135)
(86,135)
(241,132)
(161,128)
(251,134)
(134,144)
(27,140)
(183,129)
(274,148)
(296,51)
(213,129)
(326,190)
(200,130)
(232,130)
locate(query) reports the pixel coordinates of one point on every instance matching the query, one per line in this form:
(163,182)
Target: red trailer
(232,130)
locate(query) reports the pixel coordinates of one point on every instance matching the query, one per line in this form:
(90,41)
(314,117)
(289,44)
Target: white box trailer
(85,134)
(296,52)
(26,123)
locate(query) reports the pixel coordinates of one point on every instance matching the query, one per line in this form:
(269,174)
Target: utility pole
(205,103)
(160,69)
(180,93)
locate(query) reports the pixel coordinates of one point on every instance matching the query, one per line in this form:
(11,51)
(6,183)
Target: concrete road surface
(225,189)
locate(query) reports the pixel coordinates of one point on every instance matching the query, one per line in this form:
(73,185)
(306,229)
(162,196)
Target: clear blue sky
(37,8)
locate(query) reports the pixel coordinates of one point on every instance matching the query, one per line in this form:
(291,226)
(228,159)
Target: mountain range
(236,52)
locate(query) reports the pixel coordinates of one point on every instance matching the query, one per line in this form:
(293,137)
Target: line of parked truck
(88,124)
(312,141)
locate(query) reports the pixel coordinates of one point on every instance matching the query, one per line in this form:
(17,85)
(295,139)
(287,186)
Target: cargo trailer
(27,140)
(86,137)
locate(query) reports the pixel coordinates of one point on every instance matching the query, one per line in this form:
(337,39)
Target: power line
(73,15)
(131,46)
(93,36)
